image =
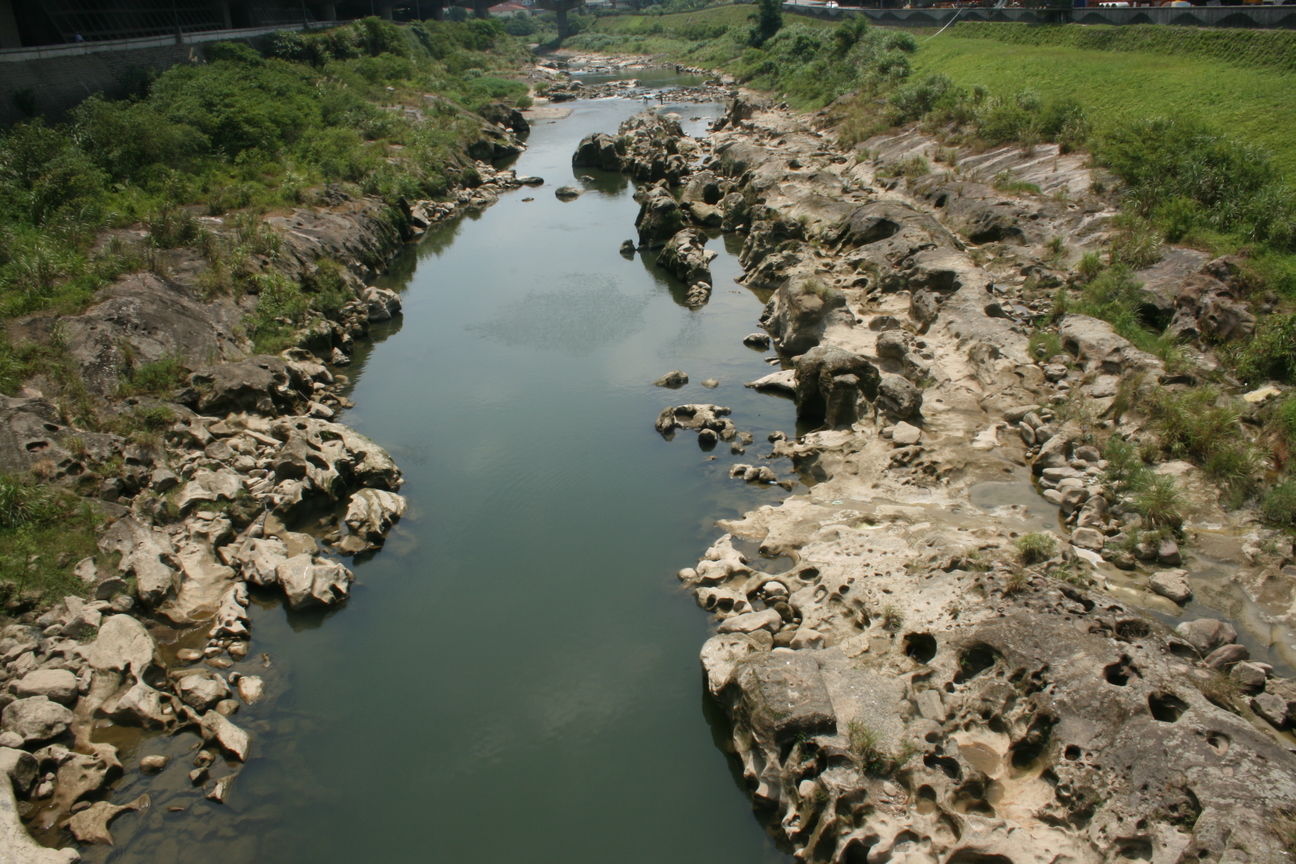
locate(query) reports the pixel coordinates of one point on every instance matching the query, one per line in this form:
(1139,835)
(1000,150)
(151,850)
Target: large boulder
(371,513)
(35,719)
(383,304)
(309,580)
(799,312)
(57,685)
(1102,350)
(687,258)
(830,382)
(261,385)
(597,151)
(659,219)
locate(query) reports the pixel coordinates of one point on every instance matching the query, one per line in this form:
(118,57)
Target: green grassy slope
(1252,102)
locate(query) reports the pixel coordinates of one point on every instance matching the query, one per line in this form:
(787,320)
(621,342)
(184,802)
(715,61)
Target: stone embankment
(252,487)
(918,666)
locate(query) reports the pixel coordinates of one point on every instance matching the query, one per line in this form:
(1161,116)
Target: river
(515,676)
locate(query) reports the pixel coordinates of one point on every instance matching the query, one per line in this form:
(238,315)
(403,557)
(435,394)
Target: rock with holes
(697,418)
(829,384)
(309,580)
(800,312)
(371,513)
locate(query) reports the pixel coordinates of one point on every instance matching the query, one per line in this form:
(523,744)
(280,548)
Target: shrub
(1161,502)
(1278,504)
(1036,547)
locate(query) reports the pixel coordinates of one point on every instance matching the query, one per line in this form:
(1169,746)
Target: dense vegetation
(247,131)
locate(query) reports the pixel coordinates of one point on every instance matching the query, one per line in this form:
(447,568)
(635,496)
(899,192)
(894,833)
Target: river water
(515,676)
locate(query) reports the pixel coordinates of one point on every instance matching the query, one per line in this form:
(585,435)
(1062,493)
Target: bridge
(82,23)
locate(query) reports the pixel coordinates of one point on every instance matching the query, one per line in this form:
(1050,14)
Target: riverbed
(516,673)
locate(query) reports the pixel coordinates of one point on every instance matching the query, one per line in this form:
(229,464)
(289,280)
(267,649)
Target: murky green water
(516,674)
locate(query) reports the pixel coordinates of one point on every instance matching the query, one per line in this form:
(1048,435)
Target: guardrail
(1249,17)
(76,49)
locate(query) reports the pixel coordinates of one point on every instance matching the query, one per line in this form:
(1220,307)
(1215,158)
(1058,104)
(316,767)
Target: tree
(769,19)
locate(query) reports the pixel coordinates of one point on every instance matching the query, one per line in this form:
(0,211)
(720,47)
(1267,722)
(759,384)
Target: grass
(1036,547)
(1132,73)
(43,531)
(864,746)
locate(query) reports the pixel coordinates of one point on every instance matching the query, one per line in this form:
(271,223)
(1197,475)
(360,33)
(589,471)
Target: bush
(1161,502)
(1036,547)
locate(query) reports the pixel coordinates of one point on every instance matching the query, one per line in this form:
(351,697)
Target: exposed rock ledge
(227,500)
(901,687)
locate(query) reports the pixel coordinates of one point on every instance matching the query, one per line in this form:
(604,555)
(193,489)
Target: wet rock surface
(906,684)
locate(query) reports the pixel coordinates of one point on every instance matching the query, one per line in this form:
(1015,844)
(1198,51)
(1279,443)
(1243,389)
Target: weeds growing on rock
(1161,502)
(892,617)
(1035,547)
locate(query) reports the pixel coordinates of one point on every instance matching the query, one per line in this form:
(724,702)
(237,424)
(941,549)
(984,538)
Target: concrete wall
(1265,17)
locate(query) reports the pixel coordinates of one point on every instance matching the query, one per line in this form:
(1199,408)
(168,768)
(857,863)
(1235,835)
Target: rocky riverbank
(249,489)
(944,651)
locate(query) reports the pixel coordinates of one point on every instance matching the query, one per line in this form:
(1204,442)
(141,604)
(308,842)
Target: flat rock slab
(1172,584)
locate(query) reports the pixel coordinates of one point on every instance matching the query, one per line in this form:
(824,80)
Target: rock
(230,737)
(923,308)
(660,218)
(696,417)
(122,645)
(1172,584)
(1168,553)
(372,512)
(91,825)
(798,314)
(829,382)
(251,689)
(153,764)
(628,248)
(36,719)
(1227,655)
(711,384)
(308,580)
(597,151)
(257,559)
(1250,676)
(226,707)
(147,555)
(673,380)
(757,340)
(1015,415)
(777,382)
(1272,708)
(1103,351)
(57,685)
(383,304)
(806,637)
(767,619)
(16,845)
(1088,538)
(262,384)
(899,397)
(686,257)
(21,768)
(86,571)
(904,435)
(219,790)
(568,193)
(139,705)
(201,689)
(893,344)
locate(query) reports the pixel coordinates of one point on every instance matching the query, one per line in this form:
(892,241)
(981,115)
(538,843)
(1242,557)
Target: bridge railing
(76,49)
